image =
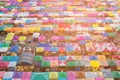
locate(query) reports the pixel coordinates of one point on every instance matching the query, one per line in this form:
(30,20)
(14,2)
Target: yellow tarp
(101,57)
(89,44)
(22,38)
(94,63)
(108,28)
(9,36)
(53,75)
(19,0)
(95,25)
(77,57)
(111,14)
(105,53)
(39,49)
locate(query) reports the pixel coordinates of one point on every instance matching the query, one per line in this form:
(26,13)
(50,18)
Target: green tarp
(111,34)
(79,63)
(116,74)
(2,28)
(71,63)
(118,28)
(111,63)
(6,58)
(100,9)
(10,6)
(45,64)
(38,58)
(5,44)
(62,74)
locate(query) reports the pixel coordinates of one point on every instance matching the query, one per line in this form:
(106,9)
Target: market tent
(118,28)
(86,63)
(68,38)
(54,49)
(83,42)
(61,38)
(69,48)
(53,63)
(17,74)
(2,74)
(62,57)
(116,57)
(62,78)
(40,76)
(99,78)
(109,78)
(71,74)
(54,37)
(47,58)
(80,74)
(93,58)
(54,58)
(12,64)
(85,58)
(5,44)
(22,38)
(90,74)
(26,74)
(95,63)
(111,63)
(117,62)
(6,58)
(14,48)
(53,75)
(36,35)
(38,58)
(71,63)
(116,74)
(0,58)
(14,58)
(77,58)
(3,64)
(62,74)
(111,34)
(101,57)
(62,63)
(8,75)
(107,73)
(43,45)
(15,38)
(9,36)
(41,38)
(61,49)
(4,49)
(69,57)
(76,47)
(45,64)
(39,49)
(103,63)
(79,63)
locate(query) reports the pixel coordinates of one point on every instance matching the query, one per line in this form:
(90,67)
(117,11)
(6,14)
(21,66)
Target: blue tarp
(62,57)
(54,49)
(62,78)
(93,58)
(14,58)
(14,49)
